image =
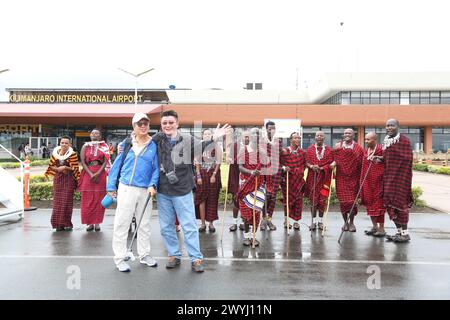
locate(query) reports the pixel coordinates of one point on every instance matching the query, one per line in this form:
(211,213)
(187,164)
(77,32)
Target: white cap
(139,116)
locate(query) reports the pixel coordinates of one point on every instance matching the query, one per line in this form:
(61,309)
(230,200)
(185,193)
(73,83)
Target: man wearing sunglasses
(176,151)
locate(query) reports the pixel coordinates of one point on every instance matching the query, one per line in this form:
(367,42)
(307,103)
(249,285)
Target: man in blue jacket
(138,177)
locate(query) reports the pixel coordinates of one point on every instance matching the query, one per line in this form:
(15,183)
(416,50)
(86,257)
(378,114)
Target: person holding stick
(130,181)
(293,161)
(251,179)
(319,161)
(372,188)
(348,157)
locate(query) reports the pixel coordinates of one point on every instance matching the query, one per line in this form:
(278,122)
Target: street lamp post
(136,76)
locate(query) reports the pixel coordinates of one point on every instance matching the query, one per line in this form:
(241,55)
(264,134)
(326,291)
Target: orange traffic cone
(26,186)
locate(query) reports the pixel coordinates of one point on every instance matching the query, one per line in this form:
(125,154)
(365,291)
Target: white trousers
(130,202)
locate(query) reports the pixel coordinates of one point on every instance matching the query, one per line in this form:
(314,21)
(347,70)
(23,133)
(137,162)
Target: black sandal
(371,232)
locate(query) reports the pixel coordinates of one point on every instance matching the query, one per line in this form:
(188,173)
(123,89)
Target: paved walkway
(436,189)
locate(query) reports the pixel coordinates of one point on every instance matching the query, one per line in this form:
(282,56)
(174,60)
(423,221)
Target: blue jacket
(140,170)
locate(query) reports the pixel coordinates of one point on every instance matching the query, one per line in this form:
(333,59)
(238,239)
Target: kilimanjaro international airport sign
(73,98)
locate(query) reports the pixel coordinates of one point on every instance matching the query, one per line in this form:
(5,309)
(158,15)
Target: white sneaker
(123,267)
(149,261)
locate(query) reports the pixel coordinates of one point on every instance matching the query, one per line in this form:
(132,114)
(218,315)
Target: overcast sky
(215,44)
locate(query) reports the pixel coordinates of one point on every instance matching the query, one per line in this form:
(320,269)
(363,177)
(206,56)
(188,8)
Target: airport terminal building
(362,101)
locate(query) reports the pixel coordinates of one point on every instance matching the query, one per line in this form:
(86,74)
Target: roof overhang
(67,110)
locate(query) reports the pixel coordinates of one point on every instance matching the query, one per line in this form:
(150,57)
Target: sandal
(379,234)
(320,225)
(371,232)
(233,227)
(202,229)
(296,226)
(212,229)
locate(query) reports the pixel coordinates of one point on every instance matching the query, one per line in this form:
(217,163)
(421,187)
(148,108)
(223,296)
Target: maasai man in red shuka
(95,157)
(348,156)
(319,161)
(397,195)
(206,195)
(63,165)
(233,176)
(293,161)
(372,189)
(273,174)
(250,178)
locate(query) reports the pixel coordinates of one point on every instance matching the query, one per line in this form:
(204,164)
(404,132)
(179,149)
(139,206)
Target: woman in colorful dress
(63,166)
(94,158)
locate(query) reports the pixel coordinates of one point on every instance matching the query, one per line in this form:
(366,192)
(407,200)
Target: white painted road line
(304,260)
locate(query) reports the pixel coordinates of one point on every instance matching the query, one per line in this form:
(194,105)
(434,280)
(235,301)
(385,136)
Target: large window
(441,139)
(390,97)
(415,135)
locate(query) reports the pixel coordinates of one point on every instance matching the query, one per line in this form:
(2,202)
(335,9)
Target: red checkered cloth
(398,216)
(372,189)
(398,159)
(251,161)
(275,178)
(348,172)
(63,189)
(322,178)
(296,161)
(208,192)
(233,172)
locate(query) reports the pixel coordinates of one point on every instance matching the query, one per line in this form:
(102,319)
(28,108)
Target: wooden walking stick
(224,211)
(254,213)
(287,201)
(354,202)
(328,207)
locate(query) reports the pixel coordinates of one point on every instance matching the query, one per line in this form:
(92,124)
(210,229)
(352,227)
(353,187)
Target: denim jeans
(182,207)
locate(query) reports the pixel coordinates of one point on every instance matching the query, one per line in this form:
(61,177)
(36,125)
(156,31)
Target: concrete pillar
(361,135)
(428,139)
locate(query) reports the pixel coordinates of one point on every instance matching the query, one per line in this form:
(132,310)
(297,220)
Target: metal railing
(11,193)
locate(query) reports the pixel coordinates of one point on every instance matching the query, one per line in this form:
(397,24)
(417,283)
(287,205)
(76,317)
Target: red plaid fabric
(372,189)
(322,177)
(248,184)
(398,159)
(274,179)
(250,161)
(208,192)
(296,161)
(398,216)
(63,189)
(233,172)
(348,172)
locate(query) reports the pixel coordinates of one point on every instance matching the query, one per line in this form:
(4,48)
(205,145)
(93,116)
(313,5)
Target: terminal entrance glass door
(36,144)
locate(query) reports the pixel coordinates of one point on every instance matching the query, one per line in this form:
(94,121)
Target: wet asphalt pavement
(38,263)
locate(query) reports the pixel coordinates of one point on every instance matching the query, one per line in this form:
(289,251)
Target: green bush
(41,191)
(43,162)
(420,167)
(44,191)
(417,193)
(10,165)
(443,170)
(38,178)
